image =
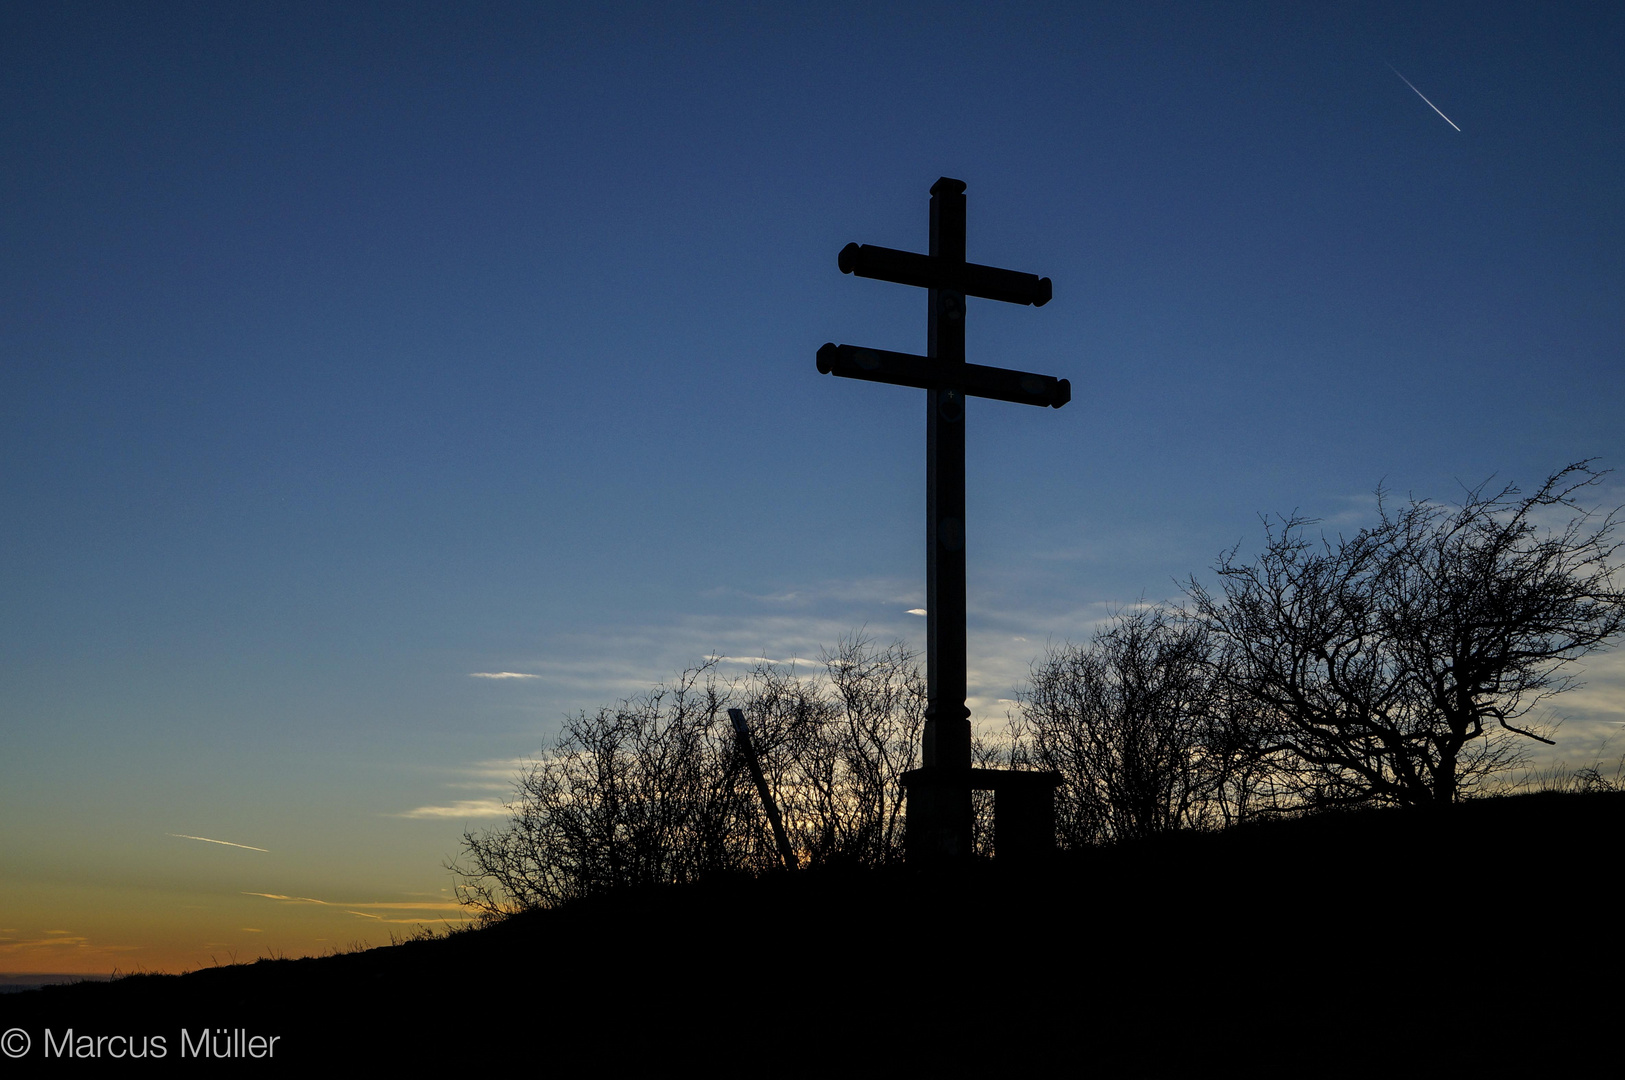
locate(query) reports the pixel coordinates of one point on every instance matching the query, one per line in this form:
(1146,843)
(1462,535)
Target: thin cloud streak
(381,905)
(57,940)
(289,899)
(751,660)
(467,808)
(501,675)
(227,843)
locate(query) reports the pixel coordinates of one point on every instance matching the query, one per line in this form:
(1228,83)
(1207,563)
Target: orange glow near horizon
(105,930)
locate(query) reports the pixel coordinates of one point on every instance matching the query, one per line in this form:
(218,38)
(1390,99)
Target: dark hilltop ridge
(1482,939)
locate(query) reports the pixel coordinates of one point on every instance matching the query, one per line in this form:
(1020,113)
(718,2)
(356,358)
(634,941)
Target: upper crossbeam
(932,272)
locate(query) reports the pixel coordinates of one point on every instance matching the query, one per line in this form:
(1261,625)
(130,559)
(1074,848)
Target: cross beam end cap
(826,357)
(847,260)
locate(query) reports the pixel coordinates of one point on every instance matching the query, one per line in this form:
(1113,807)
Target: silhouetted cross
(940,815)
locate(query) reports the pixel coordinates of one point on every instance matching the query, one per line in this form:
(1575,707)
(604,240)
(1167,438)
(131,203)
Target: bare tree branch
(1378,657)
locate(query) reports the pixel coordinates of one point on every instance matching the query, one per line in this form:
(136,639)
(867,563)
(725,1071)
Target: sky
(352,354)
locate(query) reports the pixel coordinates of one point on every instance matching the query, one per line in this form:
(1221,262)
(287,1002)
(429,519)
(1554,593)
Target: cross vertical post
(946,815)
(941,816)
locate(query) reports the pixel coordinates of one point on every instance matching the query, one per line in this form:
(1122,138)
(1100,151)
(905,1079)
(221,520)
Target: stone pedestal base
(940,813)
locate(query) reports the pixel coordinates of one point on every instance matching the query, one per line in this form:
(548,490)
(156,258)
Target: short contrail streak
(1423,96)
(228,843)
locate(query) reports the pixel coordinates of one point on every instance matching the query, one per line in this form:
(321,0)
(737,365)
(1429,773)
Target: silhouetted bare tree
(1136,724)
(882,696)
(654,790)
(641,793)
(855,733)
(1394,666)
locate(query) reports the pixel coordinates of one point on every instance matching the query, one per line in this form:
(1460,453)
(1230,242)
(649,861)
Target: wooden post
(742,733)
(949,818)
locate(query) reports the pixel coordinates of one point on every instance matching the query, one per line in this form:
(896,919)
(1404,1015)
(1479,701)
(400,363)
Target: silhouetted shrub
(654,789)
(1141,730)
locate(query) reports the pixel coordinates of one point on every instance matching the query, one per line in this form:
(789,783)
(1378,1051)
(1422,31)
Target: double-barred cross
(940,816)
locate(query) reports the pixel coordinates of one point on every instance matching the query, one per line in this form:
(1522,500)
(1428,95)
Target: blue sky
(348,351)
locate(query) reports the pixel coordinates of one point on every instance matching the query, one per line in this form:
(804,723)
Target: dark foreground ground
(1483,941)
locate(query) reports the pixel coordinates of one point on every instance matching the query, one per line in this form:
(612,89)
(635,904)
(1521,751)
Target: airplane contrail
(1421,95)
(228,843)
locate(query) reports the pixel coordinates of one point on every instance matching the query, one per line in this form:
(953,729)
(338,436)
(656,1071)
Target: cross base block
(940,814)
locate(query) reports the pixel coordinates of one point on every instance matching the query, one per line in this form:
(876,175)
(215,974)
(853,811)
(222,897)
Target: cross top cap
(947,272)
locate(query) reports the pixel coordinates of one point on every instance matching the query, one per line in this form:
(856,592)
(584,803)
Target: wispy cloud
(812,594)
(424,909)
(587,670)
(289,899)
(750,660)
(501,675)
(786,597)
(226,843)
(53,939)
(465,808)
(377,905)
